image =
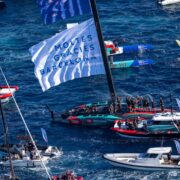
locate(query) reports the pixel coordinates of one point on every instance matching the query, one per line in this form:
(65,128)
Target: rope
(26,126)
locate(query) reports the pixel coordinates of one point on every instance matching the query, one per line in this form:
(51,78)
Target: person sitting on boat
(30,146)
(128,103)
(139,102)
(144,126)
(146,104)
(135,123)
(152,104)
(111,108)
(169,157)
(15,149)
(94,108)
(132,101)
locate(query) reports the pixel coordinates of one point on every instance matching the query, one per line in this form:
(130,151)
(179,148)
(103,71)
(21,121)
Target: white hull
(25,163)
(138,162)
(137,167)
(168,2)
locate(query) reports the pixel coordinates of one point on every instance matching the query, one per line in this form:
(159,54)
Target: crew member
(119,103)
(161,104)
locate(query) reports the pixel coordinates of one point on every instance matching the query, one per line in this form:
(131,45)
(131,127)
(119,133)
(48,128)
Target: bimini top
(159,150)
(167,116)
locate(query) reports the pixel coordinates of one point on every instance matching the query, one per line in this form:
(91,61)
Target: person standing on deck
(161,104)
(128,103)
(119,99)
(152,104)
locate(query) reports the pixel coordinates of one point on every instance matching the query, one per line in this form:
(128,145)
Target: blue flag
(70,54)
(44,135)
(53,10)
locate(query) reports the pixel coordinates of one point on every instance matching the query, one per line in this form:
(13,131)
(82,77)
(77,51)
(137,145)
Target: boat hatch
(162,150)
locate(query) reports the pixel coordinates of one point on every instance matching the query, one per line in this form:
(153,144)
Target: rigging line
(172,103)
(26,126)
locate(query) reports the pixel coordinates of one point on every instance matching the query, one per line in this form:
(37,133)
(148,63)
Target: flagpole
(103,50)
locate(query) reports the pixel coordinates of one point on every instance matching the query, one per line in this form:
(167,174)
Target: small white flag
(177,146)
(178,102)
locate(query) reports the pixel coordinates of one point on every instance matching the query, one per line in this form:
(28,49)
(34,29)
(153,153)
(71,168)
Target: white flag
(178,102)
(70,54)
(177,146)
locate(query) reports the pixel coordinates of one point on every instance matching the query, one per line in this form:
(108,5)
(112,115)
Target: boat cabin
(161,155)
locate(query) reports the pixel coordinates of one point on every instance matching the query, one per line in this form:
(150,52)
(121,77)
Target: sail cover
(70,54)
(53,10)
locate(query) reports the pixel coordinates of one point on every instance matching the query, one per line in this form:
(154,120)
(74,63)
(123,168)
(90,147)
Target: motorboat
(168,2)
(6,92)
(161,125)
(158,158)
(24,154)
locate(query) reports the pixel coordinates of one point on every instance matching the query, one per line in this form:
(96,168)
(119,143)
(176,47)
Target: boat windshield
(147,155)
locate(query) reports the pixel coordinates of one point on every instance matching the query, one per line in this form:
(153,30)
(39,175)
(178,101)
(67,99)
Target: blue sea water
(131,22)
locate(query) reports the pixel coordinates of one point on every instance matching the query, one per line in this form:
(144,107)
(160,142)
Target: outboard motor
(2,5)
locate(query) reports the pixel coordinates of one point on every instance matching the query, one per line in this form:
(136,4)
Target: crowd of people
(69,175)
(118,106)
(144,103)
(25,150)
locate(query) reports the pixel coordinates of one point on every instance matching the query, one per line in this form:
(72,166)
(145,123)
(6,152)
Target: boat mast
(13,177)
(103,50)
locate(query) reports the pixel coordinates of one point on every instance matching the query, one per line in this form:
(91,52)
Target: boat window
(149,155)
(153,155)
(156,122)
